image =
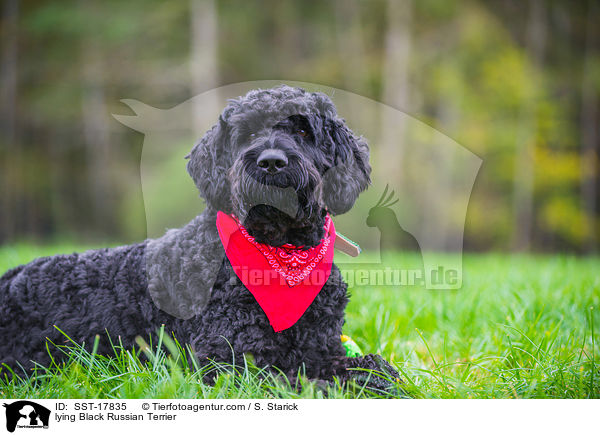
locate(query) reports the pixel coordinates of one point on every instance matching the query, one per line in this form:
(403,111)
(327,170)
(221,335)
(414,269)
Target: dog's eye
(252,135)
(302,133)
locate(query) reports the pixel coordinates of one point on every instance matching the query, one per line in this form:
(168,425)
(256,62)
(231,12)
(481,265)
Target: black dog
(278,159)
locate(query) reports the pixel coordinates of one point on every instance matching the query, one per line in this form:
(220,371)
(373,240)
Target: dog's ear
(350,173)
(209,162)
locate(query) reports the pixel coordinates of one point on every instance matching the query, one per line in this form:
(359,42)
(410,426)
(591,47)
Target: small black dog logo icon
(26,414)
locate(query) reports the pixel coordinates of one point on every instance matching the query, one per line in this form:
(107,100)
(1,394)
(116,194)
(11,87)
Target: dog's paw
(372,372)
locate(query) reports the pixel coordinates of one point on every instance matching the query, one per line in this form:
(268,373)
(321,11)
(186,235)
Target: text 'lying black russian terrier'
(276,165)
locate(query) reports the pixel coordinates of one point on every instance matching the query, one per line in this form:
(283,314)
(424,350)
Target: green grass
(521,327)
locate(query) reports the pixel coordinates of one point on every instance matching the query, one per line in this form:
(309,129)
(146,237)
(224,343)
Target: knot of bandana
(284,280)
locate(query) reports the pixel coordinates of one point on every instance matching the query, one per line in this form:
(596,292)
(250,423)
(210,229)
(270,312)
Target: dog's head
(280,155)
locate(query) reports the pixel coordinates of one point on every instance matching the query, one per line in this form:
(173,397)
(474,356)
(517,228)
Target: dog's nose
(272,160)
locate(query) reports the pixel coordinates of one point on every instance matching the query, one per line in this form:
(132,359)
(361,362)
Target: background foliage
(515,82)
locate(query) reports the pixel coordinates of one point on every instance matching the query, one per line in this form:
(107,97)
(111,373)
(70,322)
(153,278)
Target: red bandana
(283,280)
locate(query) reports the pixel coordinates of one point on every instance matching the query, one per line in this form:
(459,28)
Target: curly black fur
(183,280)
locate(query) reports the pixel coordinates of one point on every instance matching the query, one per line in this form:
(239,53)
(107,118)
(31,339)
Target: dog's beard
(295,192)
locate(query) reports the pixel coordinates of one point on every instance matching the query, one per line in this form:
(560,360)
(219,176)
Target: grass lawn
(521,327)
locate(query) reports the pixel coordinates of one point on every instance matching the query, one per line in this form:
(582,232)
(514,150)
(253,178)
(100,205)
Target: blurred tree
(589,126)
(203,52)
(350,40)
(526,132)
(396,88)
(94,114)
(10,150)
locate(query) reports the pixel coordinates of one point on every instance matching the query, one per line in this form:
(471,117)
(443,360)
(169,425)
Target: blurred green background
(515,82)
